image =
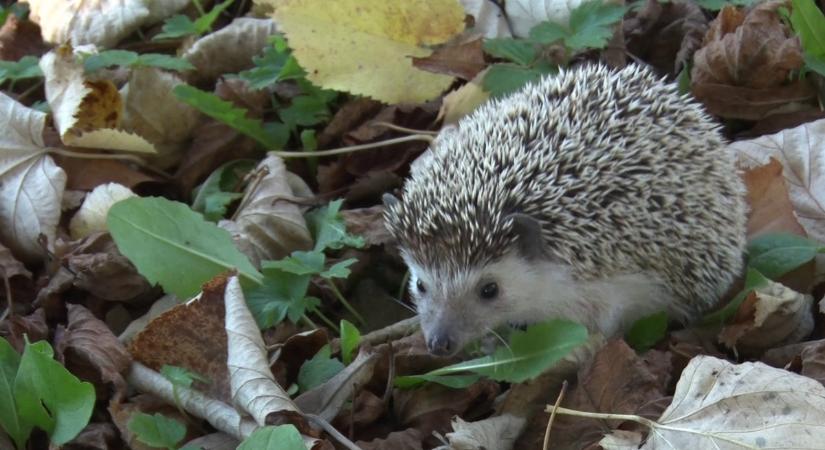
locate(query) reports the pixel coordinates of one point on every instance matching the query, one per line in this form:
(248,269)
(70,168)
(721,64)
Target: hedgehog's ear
(528,230)
(389,200)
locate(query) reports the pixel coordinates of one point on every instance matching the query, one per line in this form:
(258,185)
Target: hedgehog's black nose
(440,344)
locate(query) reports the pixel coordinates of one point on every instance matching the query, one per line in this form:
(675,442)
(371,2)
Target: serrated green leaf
(172,245)
(49,396)
(175,27)
(299,263)
(519,51)
(350,338)
(10,421)
(305,111)
(164,62)
(339,269)
(647,331)
(26,67)
(125,58)
(281,295)
(808,22)
(204,22)
(753,280)
(318,370)
(181,376)
(157,430)
(328,228)
(221,188)
(226,112)
(548,33)
(776,254)
(502,79)
(281,437)
(591,24)
(274,65)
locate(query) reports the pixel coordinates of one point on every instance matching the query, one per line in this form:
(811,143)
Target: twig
(395,127)
(352,148)
(553,415)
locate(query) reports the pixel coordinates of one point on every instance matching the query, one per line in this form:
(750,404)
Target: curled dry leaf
(87,113)
(99,268)
(463,60)
(230,49)
(269,225)
(666,35)
(10,267)
(488,17)
(91,216)
(364,47)
(368,223)
(770,316)
(525,14)
(152,111)
(253,387)
(771,209)
(736,406)
(799,150)
(31,185)
(494,433)
(743,67)
(19,38)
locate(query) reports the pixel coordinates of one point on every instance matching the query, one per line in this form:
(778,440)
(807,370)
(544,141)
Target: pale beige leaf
(489,18)
(771,316)
(152,111)
(100,22)
(31,185)
(800,152)
(269,225)
(725,406)
(111,139)
(525,14)
(494,433)
(253,388)
(462,101)
(91,216)
(65,86)
(161,9)
(327,400)
(230,49)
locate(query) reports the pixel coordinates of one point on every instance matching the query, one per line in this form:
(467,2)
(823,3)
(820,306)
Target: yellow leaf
(365,46)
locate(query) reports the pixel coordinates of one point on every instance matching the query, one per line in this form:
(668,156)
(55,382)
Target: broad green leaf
(157,430)
(328,228)
(181,376)
(815,63)
(339,269)
(281,295)
(548,33)
(281,437)
(305,111)
(299,263)
(591,24)
(164,62)
(204,22)
(126,58)
(808,22)
(172,245)
(10,421)
(227,113)
(49,396)
(350,338)
(276,64)
(451,381)
(647,331)
(775,254)
(175,27)
(26,67)
(753,280)
(519,51)
(221,188)
(318,370)
(716,5)
(528,354)
(503,79)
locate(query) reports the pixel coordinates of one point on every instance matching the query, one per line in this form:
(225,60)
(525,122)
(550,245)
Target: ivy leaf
(281,295)
(776,254)
(591,24)
(318,370)
(647,331)
(328,228)
(519,51)
(157,430)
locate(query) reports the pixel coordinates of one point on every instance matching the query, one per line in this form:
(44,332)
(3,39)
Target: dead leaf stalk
(352,148)
(553,415)
(395,127)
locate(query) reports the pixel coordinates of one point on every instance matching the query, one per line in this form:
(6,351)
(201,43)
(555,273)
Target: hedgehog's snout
(441,344)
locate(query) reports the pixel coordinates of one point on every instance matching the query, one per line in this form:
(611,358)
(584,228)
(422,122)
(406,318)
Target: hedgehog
(596,195)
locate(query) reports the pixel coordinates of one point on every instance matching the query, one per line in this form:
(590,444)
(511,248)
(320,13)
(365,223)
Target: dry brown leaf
(430,407)
(409,439)
(90,350)
(269,226)
(463,60)
(494,433)
(770,205)
(214,144)
(97,436)
(91,216)
(16,329)
(230,49)
(19,38)
(770,316)
(666,35)
(10,267)
(99,268)
(190,335)
(85,176)
(327,400)
(751,103)
(367,223)
(806,358)
(799,151)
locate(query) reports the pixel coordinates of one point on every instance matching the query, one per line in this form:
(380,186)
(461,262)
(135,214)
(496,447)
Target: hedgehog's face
(457,309)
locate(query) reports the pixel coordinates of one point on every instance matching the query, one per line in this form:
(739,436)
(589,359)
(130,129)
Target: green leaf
(309,140)
(226,112)
(318,370)
(716,5)
(339,269)
(281,437)
(815,63)
(26,67)
(753,280)
(172,245)
(166,62)
(175,27)
(299,263)
(548,33)
(157,430)
(647,331)
(591,24)
(181,376)
(125,58)
(776,254)
(10,421)
(350,338)
(305,111)
(451,381)
(221,188)
(204,22)
(281,295)
(49,396)
(528,354)
(808,22)
(274,65)
(503,79)
(328,228)
(519,51)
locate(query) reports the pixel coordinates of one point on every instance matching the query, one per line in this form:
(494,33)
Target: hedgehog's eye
(420,286)
(489,291)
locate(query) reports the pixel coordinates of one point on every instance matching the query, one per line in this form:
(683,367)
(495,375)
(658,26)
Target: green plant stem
(346,304)
(309,321)
(326,320)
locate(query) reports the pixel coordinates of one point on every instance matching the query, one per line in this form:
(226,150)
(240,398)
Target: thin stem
(309,321)
(9,302)
(395,127)
(326,320)
(403,287)
(326,426)
(135,159)
(346,304)
(572,412)
(352,148)
(553,415)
